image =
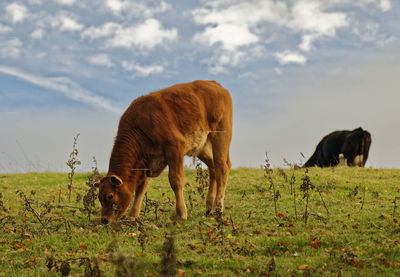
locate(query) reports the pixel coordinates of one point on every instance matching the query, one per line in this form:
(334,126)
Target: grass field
(352,227)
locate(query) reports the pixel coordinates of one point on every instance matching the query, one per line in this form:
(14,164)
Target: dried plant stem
(276,210)
(168,261)
(29,208)
(72,163)
(323,202)
(233,225)
(362,205)
(306,211)
(305,188)
(190,200)
(146,203)
(202,178)
(5,220)
(294,202)
(293,191)
(268,175)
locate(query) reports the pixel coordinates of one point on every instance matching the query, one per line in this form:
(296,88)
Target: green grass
(359,236)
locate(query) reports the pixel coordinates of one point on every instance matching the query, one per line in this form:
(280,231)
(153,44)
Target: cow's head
(114,197)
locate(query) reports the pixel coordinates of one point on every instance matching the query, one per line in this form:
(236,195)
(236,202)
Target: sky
(296,69)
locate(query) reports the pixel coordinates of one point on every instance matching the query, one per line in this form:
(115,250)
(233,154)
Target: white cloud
(231,36)
(310,16)
(367,31)
(101,60)
(142,71)
(116,5)
(307,41)
(240,19)
(289,57)
(221,60)
(65,2)
(103,31)
(69,24)
(278,70)
(310,19)
(18,12)
(10,48)
(370,32)
(65,86)
(238,26)
(250,77)
(138,8)
(5,29)
(37,34)
(385,5)
(232,22)
(235,27)
(145,36)
(63,21)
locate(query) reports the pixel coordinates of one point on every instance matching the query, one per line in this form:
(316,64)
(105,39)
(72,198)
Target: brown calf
(159,129)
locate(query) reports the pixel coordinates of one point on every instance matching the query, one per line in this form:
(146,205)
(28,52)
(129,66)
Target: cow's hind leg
(137,202)
(220,146)
(176,179)
(206,156)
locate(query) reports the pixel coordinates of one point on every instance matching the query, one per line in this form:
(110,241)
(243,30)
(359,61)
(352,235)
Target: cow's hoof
(210,213)
(179,217)
(133,218)
(183,217)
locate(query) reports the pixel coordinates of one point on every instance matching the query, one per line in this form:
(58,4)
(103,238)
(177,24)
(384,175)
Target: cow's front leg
(137,202)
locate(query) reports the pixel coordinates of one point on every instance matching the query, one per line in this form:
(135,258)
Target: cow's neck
(124,156)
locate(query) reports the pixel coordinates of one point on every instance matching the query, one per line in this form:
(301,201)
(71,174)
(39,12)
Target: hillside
(352,227)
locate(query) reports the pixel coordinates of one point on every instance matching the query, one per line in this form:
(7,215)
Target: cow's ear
(116,180)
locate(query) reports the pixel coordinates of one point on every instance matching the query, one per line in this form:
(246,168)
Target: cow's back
(187,111)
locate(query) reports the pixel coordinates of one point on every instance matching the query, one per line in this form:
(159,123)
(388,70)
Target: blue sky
(296,69)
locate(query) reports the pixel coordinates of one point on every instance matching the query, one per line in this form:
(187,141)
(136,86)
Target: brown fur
(159,129)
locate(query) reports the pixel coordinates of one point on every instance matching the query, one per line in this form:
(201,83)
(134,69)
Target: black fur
(349,143)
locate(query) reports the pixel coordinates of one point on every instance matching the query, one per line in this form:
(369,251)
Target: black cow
(354,145)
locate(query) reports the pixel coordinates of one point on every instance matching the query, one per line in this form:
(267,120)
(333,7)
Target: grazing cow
(159,129)
(354,145)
